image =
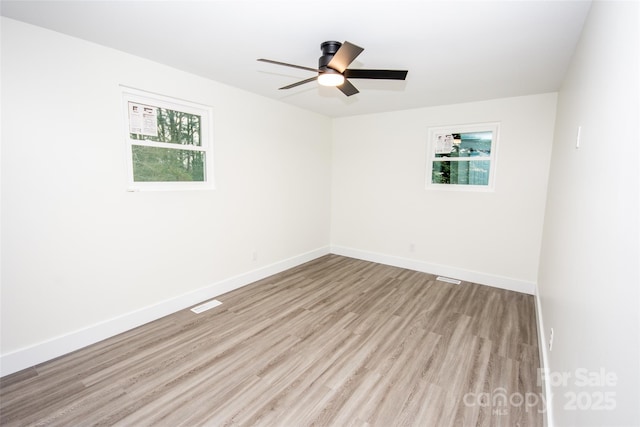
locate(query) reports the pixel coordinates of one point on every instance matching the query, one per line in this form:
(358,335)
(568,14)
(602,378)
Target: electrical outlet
(254,255)
(412,247)
(551,340)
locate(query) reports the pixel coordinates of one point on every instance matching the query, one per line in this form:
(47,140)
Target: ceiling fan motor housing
(328,50)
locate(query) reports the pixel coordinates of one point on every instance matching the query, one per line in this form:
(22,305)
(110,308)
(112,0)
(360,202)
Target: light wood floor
(334,342)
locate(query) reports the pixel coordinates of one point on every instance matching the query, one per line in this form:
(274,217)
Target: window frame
(433,133)
(206,144)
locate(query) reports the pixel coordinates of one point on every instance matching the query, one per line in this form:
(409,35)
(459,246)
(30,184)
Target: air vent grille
(206,306)
(448,280)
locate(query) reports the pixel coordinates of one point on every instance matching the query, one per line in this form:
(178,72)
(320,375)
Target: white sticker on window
(143,119)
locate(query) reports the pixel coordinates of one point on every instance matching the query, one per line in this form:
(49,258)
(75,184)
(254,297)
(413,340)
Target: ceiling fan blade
(300,83)
(315,70)
(347,88)
(376,74)
(344,56)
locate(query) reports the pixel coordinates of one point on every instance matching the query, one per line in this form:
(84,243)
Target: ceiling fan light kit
(330,77)
(332,68)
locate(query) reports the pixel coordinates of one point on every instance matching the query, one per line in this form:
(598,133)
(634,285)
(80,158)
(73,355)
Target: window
(168,142)
(462,157)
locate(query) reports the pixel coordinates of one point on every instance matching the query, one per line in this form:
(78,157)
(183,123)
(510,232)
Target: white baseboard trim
(437,269)
(58,346)
(544,361)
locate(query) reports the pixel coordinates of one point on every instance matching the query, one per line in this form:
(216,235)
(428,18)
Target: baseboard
(442,270)
(58,346)
(544,361)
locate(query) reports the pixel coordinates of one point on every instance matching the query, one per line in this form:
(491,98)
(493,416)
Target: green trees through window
(168,142)
(151,164)
(154,164)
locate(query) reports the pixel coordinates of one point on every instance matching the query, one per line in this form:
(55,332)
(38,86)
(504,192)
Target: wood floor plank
(333,342)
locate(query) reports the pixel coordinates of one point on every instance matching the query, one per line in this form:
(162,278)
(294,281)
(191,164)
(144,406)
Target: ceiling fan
(332,68)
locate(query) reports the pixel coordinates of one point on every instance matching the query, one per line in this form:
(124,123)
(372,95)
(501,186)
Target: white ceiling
(455,51)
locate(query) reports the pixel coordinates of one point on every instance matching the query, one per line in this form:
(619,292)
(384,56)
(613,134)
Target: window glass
(168,142)
(462,156)
(155,164)
(175,127)
(461,173)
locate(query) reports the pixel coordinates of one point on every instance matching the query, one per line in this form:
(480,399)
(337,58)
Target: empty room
(328,213)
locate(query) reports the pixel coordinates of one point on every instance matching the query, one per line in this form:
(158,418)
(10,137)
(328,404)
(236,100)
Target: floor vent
(448,280)
(206,306)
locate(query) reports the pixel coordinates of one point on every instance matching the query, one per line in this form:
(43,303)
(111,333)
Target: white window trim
(494,127)
(156,100)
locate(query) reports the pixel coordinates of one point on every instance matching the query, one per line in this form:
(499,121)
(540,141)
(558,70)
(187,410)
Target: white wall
(589,268)
(79,251)
(380,207)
